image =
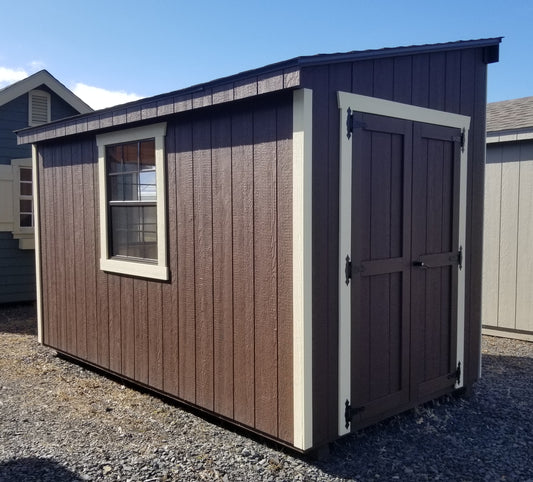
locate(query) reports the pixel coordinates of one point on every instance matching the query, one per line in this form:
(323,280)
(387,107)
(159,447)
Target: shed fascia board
(219,92)
(398,51)
(13,91)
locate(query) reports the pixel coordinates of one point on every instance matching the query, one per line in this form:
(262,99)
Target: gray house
(508,230)
(35,100)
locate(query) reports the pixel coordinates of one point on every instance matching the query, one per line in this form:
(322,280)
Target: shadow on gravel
(488,436)
(36,469)
(19,318)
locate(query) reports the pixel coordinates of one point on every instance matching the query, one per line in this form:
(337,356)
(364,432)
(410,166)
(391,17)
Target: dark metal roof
(510,115)
(270,78)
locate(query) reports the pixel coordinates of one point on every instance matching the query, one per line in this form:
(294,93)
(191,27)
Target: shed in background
(508,231)
(295,249)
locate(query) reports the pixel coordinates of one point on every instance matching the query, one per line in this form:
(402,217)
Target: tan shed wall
(508,241)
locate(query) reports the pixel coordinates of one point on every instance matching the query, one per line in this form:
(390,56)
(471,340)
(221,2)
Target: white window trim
(25,234)
(133,268)
(6,198)
(42,93)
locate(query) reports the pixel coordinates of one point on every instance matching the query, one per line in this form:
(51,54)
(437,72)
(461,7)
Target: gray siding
(17,271)
(13,115)
(508,250)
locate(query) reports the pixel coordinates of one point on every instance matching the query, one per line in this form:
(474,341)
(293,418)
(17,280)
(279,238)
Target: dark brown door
(405,191)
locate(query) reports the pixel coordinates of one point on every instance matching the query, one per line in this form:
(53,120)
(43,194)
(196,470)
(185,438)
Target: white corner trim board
(371,105)
(37,234)
(302,269)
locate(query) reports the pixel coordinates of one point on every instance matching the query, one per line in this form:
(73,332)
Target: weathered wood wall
(219,334)
(454,81)
(507,248)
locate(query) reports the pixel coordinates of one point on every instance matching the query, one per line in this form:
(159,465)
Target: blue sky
(117,50)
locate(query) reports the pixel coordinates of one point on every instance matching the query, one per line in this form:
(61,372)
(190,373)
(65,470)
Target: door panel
(435,217)
(405,192)
(381,267)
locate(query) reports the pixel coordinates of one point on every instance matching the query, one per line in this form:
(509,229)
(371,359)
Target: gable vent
(39,107)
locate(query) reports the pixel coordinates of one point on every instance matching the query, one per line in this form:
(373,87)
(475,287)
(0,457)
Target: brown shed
(295,249)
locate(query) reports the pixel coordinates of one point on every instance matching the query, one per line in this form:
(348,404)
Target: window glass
(132,198)
(25,201)
(134,231)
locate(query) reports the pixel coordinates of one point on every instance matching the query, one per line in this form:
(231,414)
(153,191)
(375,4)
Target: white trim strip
(461,280)
(345,248)
(371,105)
(388,108)
(37,234)
(302,269)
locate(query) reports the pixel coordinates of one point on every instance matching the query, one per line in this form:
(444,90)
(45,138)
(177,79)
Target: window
(39,110)
(132,202)
(25,218)
(23,203)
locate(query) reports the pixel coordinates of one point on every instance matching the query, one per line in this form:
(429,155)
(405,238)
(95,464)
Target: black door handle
(420,264)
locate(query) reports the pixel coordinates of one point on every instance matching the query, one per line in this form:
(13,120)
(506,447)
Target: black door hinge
(351,124)
(458,257)
(350,411)
(348,270)
(461,139)
(456,375)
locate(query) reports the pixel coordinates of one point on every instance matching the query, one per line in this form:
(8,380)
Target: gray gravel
(61,422)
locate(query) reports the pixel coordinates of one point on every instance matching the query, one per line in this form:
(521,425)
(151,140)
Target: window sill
(26,238)
(142,270)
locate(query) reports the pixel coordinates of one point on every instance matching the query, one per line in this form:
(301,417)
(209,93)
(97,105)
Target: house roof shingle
(510,115)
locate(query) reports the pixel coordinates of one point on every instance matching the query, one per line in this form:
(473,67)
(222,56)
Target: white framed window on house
(39,111)
(23,203)
(132,201)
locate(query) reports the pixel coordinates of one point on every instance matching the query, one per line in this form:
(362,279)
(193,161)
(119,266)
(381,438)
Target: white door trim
(372,105)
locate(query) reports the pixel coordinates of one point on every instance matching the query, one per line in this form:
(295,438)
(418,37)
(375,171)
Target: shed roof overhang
(271,78)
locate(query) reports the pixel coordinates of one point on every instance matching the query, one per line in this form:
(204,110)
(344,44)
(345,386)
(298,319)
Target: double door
(404,265)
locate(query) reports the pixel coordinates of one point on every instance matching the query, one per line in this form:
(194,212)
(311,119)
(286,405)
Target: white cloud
(36,65)
(9,76)
(99,98)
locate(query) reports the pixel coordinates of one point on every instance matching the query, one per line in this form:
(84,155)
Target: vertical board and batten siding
(454,81)
(219,334)
(507,251)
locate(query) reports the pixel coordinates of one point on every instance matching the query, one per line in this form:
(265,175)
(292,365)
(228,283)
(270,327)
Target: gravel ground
(61,422)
